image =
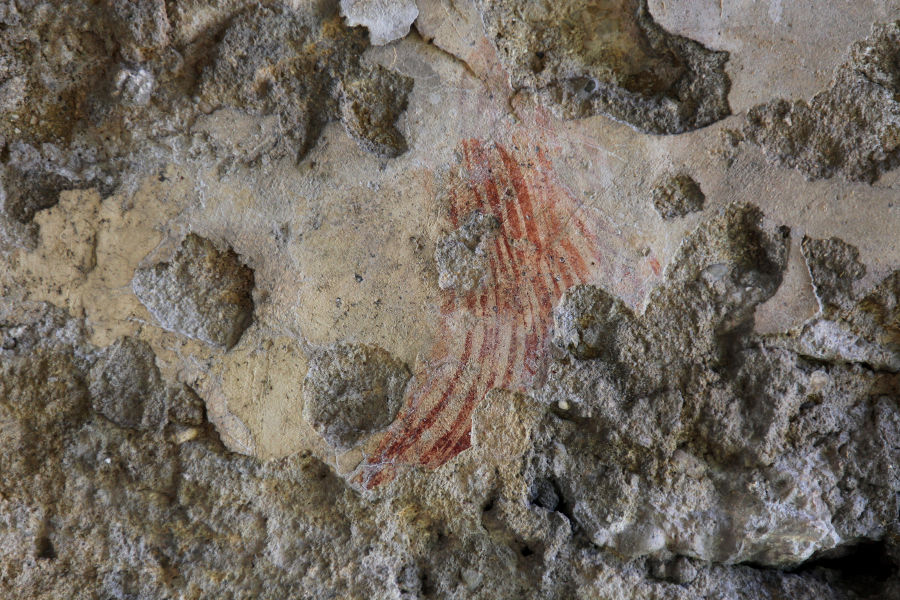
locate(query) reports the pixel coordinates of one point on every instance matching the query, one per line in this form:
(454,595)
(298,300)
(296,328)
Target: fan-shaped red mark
(497,335)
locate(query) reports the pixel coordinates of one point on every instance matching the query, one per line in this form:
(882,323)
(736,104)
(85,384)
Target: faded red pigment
(497,335)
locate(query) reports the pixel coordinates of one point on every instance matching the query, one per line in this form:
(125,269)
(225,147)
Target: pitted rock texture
(204,293)
(92,509)
(485,370)
(680,432)
(89,508)
(862,328)
(608,57)
(306,71)
(461,255)
(851,129)
(95,94)
(351,391)
(834,267)
(87,92)
(676,196)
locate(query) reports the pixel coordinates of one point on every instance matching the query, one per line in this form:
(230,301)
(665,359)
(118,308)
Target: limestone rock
(351,391)
(677,196)
(93,93)
(565,395)
(142,26)
(125,385)
(850,129)
(737,435)
(366,115)
(609,58)
(460,255)
(834,266)
(305,70)
(386,20)
(203,293)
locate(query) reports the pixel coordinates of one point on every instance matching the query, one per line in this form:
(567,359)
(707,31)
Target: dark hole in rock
(862,568)
(545,494)
(44,548)
(428,586)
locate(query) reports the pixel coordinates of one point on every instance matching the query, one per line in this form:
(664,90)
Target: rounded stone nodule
(203,293)
(352,391)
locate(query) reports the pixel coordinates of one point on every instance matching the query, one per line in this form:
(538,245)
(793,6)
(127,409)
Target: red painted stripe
(411,437)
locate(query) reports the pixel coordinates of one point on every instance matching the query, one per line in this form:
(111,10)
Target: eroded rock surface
(204,293)
(608,57)
(676,196)
(834,267)
(87,91)
(851,129)
(461,255)
(554,398)
(679,432)
(852,328)
(386,20)
(306,71)
(97,93)
(91,507)
(351,391)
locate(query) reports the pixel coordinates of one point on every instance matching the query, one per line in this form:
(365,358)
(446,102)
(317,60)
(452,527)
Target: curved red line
(475,394)
(412,436)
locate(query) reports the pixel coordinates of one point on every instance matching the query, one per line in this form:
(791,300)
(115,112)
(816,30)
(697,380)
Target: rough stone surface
(386,20)
(851,129)
(95,508)
(609,57)
(351,391)
(460,255)
(834,267)
(93,92)
(430,337)
(306,71)
(732,421)
(204,293)
(677,196)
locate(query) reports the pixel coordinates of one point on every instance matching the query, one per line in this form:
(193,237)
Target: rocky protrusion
(203,293)
(851,129)
(863,330)
(141,27)
(367,118)
(608,58)
(587,322)
(677,196)
(386,20)
(659,417)
(461,255)
(305,70)
(24,192)
(352,391)
(833,266)
(126,386)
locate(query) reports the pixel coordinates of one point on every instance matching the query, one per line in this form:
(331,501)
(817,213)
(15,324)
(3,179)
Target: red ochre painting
(497,335)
